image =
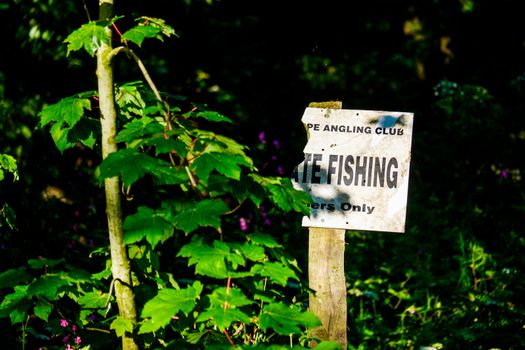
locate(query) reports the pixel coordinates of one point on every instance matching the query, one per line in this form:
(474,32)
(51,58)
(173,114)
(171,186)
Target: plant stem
(120,266)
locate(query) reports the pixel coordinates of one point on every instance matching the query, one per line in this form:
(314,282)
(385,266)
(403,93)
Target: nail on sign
(356,168)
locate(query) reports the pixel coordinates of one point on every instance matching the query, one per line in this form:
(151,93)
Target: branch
(146,75)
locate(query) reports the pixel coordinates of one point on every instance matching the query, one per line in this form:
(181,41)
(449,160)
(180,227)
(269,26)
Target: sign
(356,168)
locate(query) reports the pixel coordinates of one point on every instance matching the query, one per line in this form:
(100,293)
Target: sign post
(356,169)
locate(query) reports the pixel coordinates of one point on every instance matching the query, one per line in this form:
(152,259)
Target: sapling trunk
(120,266)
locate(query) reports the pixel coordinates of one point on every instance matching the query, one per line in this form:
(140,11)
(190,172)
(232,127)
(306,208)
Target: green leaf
(89,36)
(220,154)
(286,320)
(67,111)
(225,164)
(121,326)
(247,188)
(222,317)
(211,260)
(19,314)
(93,300)
(43,309)
(328,345)
(253,252)
(8,163)
(47,286)
(166,304)
(159,23)
(85,131)
(205,213)
(148,224)
(211,116)
(277,272)
(43,262)
(223,311)
(130,165)
(129,98)
(69,127)
(138,33)
(264,240)
(138,128)
(60,137)
(8,216)
(15,304)
(223,297)
(12,277)
(283,194)
(162,145)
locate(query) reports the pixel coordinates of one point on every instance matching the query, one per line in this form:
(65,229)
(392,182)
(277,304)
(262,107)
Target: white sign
(356,168)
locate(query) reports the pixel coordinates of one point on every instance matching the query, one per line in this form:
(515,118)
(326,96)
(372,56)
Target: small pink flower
(68,347)
(78,340)
(243,224)
(74,327)
(63,323)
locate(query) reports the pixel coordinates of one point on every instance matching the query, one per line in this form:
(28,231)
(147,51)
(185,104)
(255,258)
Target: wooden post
(326,274)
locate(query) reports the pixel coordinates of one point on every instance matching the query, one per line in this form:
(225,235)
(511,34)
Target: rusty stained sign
(356,168)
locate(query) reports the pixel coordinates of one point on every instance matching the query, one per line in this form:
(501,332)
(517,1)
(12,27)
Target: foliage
(208,173)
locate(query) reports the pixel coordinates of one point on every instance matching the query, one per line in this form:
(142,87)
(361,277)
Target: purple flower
(262,137)
(63,323)
(504,174)
(280,170)
(265,216)
(276,144)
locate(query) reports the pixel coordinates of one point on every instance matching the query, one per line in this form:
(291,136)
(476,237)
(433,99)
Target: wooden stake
(326,274)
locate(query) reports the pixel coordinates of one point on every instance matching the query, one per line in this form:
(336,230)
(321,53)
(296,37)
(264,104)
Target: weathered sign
(356,168)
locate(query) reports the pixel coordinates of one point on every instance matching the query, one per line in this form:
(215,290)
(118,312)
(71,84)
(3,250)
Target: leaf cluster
(236,287)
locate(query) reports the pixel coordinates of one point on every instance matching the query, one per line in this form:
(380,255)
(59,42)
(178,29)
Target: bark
(120,265)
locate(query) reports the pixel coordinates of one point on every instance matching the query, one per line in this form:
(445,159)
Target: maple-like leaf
(205,213)
(138,33)
(93,300)
(213,260)
(286,320)
(89,36)
(283,194)
(121,326)
(131,165)
(68,110)
(276,271)
(47,286)
(166,304)
(222,317)
(148,224)
(43,309)
(225,164)
(138,128)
